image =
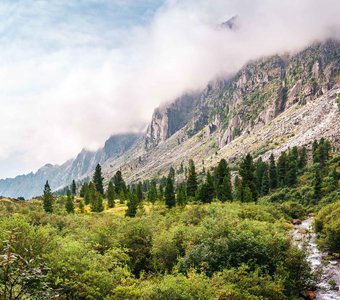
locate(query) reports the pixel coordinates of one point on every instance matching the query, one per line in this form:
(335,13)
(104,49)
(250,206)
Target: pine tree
(181,198)
(74,188)
(317,185)
(265,185)
(152,194)
(139,192)
(260,167)
(238,189)
(291,175)
(209,187)
(132,205)
(247,194)
(316,153)
(302,158)
(110,193)
(98,180)
(221,172)
(172,174)
(48,199)
(169,194)
(282,169)
(161,191)
(192,180)
(119,183)
(247,170)
(226,191)
(273,180)
(83,189)
(69,203)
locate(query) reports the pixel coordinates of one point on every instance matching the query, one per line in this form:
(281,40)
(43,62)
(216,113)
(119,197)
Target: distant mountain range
(269,105)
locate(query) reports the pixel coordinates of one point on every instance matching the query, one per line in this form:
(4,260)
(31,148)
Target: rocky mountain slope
(269,105)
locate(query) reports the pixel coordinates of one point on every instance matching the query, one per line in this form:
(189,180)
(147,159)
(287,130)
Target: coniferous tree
(83,189)
(282,169)
(139,192)
(169,193)
(334,179)
(152,194)
(265,185)
(69,203)
(238,189)
(317,185)
(192,180)
(261,168)
(221,172)
(74,188)
(302,158)
(316,153)
(226,192)
(132,205)
(291,175)
(205,192)
(97,202)
(172,174)
(48,199)
(161,191)
(247,194)
(87,195)
(247,170)
(181,198)
(110,193)
(273,180)
(98,180)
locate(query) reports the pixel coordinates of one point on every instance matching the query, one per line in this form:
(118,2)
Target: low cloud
(70,85)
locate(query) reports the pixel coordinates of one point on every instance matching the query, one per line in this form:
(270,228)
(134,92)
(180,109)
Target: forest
(221,233)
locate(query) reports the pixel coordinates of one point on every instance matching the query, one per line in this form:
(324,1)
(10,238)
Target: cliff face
(31,185)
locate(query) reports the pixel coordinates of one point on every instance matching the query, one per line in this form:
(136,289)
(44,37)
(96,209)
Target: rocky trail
(327,268)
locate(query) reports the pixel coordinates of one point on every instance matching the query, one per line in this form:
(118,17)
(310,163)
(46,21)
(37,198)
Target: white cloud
(66,85)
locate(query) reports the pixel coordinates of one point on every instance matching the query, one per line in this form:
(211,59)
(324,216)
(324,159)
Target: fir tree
(181,198)
(238,189)
(316,153)
(110,193)
(302,162)
(226,191)
(291,175)
(97,202)
(48,199)
(74,188)
(83,189)
(273,180)
(265,185)
(282,169)
(98,180)
(261,168)
(317,185)
(172,174)
(139,192)
(221,172)
(192,179)
(169,194)
(247,195)
(247,170)
(132,205)
(152,194)
(69,203)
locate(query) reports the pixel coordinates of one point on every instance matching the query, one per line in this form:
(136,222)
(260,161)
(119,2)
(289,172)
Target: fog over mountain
(71,76)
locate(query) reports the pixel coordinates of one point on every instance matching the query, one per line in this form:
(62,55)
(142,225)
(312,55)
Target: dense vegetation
(217,234)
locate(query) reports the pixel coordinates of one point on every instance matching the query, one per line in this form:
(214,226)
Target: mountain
(59,176)
(271,104)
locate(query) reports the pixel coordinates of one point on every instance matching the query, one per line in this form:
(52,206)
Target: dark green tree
(265,185)
(132,205)
(192,180)
(83,189)
(139,192)
(315,151)
(48,199)
(169,193)
(282,169)
(226,191)
(238,189)
(69,203)
(291,174)
(317,185)
(181,198)
(172,174)
(260,168)
(73,188)
(152,194)
(110,193)
(302,162)
(222,172)
(98,180)
(273,180)
(247,172)
(120,186)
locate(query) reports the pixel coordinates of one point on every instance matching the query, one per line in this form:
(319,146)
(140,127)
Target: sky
(72,73)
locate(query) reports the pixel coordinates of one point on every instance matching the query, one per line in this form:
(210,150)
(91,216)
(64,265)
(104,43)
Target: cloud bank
(73,74)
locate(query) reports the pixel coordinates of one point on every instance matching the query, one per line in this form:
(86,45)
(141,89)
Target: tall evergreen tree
(169,194)
(291,174)
(74,188)
(221,172)
(132,205)
(302,162)
(273,180)
(97,202)
(238,189)
(282,169)
(139,192)
(98,180)
(226,191)
(69,203)
(152,194)
(83,189)
(181,198)
(260,169)
(247,170)
(247,195)
(48,199)
(316,153)
(192,180)
(172,174)
(120,186)
(265,185)
(205,192)
(110,193)
(317,185)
